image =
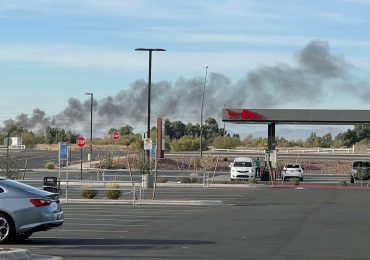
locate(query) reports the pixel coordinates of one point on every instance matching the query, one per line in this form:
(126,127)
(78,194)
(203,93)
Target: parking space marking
(112,219)
(108,224)
(88,230)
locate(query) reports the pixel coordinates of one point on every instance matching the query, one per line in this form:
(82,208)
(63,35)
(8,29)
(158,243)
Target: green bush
(294,181)
(226,142)
(89,194)
(113,194)
(343,183)
(50,166)
(187,143)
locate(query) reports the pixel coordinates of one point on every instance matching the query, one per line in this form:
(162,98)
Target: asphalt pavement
(261,223)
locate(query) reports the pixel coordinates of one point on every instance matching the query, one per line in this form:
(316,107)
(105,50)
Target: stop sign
(81,141)
(115,136)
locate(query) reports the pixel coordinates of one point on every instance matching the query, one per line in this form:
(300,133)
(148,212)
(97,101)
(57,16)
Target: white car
(292,170)
(242,168)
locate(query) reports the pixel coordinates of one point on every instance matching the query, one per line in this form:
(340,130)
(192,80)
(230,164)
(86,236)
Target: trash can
(51,184)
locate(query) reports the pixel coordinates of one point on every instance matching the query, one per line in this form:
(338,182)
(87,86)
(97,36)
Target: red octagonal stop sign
(81,141)
(115,136)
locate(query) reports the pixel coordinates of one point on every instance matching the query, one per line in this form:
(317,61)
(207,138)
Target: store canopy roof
(296,116)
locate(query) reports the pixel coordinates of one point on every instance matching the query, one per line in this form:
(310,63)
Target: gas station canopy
(296,116)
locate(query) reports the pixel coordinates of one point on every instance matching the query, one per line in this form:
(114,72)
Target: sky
(259,54)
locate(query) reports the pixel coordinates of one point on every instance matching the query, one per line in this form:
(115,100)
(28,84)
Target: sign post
(7,143)
(81,142)
(63,157)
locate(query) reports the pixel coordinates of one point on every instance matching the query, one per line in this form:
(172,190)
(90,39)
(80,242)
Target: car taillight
(40,202)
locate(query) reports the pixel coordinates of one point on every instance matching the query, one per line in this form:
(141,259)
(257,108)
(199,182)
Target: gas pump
(270,164)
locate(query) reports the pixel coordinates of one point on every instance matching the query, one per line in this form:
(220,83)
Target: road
(251,224)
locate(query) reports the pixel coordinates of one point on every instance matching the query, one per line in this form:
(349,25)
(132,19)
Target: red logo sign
(244,114)
(115,136)
(81,141)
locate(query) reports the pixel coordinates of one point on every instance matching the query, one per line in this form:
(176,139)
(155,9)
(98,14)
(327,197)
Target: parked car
(292,170)
(25,210)
(356,174)
(242,168)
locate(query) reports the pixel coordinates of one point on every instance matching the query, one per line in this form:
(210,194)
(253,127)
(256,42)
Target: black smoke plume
(316,71)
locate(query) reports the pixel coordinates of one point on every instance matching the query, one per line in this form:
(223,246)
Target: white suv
(292,170)
(242,168)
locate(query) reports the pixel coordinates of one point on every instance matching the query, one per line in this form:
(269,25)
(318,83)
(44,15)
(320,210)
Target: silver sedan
(25,210)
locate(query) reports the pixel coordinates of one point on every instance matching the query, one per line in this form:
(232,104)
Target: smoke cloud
(305,82)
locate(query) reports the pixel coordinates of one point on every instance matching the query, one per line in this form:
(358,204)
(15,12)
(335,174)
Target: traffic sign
(81,142)
(63,151)
(148,144)
(115,136)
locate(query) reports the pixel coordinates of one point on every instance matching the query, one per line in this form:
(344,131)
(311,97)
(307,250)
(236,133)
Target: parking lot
(259,223)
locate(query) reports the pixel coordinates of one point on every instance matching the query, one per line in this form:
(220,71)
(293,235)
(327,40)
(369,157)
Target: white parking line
(111,219)
(108,224)
(133,215)
(88,230)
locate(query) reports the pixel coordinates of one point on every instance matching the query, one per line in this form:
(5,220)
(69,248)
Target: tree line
(186,137)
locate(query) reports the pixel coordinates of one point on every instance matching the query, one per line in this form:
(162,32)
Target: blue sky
(51,51)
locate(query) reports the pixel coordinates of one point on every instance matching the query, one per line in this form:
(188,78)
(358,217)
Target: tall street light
(150,50)
(201,113)
(91,114)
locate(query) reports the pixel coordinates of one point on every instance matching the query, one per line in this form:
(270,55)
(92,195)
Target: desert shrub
(143,165)
(226,142)
(192,178)
(10,168)
(362,173)
(50,166)
(88,193)
(113,194)
(294,181)
(343,183)
(106,161)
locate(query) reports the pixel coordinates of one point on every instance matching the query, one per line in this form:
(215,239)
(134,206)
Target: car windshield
(242,164)
(359,164)
(293,166)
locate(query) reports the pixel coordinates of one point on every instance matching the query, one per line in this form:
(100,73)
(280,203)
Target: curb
(146,202)
(14,253)
(282,186)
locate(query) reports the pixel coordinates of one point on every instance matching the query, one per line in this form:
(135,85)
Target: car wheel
(6,228)
(23,236)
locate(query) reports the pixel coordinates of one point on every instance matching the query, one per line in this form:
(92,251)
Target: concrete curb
(14,253)
(147,202)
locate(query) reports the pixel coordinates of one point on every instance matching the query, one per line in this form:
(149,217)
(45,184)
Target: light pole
(91,115)
(150,50)
(201,113)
